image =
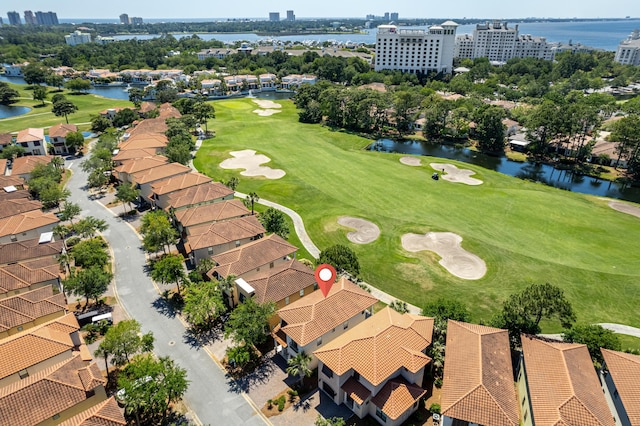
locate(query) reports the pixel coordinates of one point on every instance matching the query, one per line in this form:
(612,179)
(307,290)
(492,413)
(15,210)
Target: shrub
(434,408)
(281,402)
(438,382)
(72,241)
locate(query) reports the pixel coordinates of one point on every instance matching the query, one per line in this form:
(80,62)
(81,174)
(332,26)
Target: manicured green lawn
(41,116)
(526,232)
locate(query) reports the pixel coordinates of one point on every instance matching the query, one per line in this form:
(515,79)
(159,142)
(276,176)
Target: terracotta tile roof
(478,376)
(146,107)
(134,153)
(138,164)
(219,233)
(379,346)
(179,182)
(206,193)
(168,111)
(16,181)
(144,141)
(9,282)
(27,221)
(159,173)
(563,385)
(105,413)
(625,371)
(4,195)
(62,130)
(29,135)
(252,255)
(25,307)
(274,285)
(6,138)
(36,345)
(208,213)
(314,315)
(26,164)
(356,390)
(17,206)
(31,273)
(150,126)
(397,396)
(3,166)
(49,392)
(22,251)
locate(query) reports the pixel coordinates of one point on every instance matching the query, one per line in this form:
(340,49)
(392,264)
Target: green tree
(88,283)
(58,97)
(91,252)
(626,132)
(239,355)
(127,193)
(74,141)
(203,305)
(69,212)
(251,199)
(169,269)
(443,310)
(248,322)
(99,124)
(204,111)
(12,152)
(522,312)
(135,96)
(7,94)
(124,340)
(178,152)
(332,421)
(124,117)
(342,258)
(35,73)
(157,231)
(89,226)
(490,130)
(39,93)
(52,195)
(97,179)
(274,221)
(63,109)
(55,80)
(595,337)
(299,366)
(78,85)
(399,306)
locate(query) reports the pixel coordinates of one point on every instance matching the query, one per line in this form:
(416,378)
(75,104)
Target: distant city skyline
(158,9)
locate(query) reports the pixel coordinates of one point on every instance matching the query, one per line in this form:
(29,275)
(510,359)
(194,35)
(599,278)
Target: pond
(7,111)
(536,172)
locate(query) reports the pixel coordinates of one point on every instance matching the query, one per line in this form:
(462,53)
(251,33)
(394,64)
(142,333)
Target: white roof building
(77,37)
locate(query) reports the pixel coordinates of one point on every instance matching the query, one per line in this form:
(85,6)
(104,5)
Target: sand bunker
(454,174)
(455,259)
(266,112)
(411,161)
(625,208)
(365,231)
(264,103)
(247,159)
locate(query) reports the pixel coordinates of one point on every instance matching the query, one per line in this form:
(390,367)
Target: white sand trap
(456,175)
(264,103)
(247,159)
(454,258)
(266,112)
(625,208)
(411,161)
(365,231)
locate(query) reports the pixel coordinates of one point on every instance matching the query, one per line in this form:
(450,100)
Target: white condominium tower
(628,52)
(414,50)
(499,43)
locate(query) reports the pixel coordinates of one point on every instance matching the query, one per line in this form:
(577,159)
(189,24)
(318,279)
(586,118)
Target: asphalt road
(209,395)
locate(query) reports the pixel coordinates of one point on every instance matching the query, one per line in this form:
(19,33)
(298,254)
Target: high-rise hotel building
(628,52)
(414,50)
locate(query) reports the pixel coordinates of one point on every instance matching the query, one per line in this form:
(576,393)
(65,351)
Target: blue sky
(68,9)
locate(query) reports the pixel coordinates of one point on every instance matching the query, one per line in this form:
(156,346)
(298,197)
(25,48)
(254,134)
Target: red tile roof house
(5,140)
(208,193)
(134,165)
(54,395)
(620,378)
(212,239)
(558,385)
(132,154)
(145,178)
(15,181)
(10,208)
(30,309)
(478,385)
(26,226)
(28,250)
(145,141)
(58,137)
(315,320)
(377,367)
(163,189)
(209,213)
(22,166)
(32,140)
(24,277)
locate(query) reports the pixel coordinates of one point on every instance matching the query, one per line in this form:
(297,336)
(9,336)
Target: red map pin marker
(325,277)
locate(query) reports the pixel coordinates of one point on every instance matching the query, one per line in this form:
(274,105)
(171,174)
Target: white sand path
(625,208)
(456,175)
(454,258)
(411,161)
(248,160)
(365,231)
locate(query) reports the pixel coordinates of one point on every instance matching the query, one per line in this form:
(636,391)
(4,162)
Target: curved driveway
(209,394)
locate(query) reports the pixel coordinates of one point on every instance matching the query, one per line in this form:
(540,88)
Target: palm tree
(65,261)
(251,199)
(299,366)
(57,162)
(226,285)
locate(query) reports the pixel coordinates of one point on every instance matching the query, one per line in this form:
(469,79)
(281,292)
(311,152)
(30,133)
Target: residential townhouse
(282,285)
(558,384)
(13,193)
(377,367)
(268,82)
(104,413)
(120,156)
(209,213)
(161,190)
(478,384)
(20,278)
(145,178)
(6,139)
(12,182)
(10,208)
(215,53)
(293,81)
(620,379)
(30,250)
(23,166)
(208,193)
(32,140)
(58,137)
(26,226)
(315,320)
(154,141)
(128,167)
(30,309)
(213,239)
(14,70)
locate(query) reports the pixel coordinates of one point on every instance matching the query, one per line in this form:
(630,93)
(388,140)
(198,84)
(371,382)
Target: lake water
(530,171)
(7,111)
(603,34)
